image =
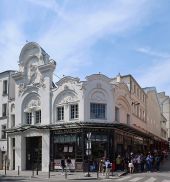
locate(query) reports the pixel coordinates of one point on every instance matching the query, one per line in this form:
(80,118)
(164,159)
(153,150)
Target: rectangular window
(60,113)
(38,116)
(4,110)
(28,117)
(13,142)
(117,114)
(128,119)
(97,111)
(12,120)
(3,133)
(74,111)
(5,86)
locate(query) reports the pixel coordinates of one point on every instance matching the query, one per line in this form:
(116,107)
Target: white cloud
(72,32)
(150,52)
(157,75)
(83,29)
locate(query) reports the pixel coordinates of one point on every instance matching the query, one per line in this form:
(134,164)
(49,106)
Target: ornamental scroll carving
(23,87)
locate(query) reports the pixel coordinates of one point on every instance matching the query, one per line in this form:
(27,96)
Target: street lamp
(88,150)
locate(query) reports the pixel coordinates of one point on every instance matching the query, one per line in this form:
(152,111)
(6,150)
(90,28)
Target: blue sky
(91,36)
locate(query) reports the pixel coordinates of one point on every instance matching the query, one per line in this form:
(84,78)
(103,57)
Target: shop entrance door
(33,153)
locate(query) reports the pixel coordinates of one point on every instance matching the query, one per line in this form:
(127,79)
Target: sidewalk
(58,176)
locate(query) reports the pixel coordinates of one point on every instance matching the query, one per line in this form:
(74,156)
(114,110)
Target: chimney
(118,78)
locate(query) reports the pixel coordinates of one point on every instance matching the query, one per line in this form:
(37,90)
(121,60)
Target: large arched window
(32,110)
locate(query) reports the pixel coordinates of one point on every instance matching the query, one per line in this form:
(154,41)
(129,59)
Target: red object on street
(113,166)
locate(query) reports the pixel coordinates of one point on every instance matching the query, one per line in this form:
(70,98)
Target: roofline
(7,71)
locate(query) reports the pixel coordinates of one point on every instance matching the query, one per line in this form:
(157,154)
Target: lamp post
(88,150)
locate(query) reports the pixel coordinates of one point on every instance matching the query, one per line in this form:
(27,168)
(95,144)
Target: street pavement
(26,176)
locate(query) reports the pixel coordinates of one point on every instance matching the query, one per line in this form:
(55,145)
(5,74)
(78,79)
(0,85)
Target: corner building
(83,120)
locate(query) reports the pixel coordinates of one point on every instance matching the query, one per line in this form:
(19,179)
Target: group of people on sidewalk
(140,162)
(134,162)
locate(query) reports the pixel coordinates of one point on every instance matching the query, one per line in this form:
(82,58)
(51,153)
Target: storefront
(76,144)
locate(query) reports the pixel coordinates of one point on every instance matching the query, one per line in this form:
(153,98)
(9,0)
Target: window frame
(5,87)
(4,110)
(60,113)
(28,118)
(3,134)
(98,108)
(74,111)
(38,117)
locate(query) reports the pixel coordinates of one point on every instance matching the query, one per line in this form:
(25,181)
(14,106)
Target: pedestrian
(108,168)
(69,163)
(103,166)
(119,163)
(131,165)
(63,165)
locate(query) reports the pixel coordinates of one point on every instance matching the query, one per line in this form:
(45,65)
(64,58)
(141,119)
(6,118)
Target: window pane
(5,87)
(3,134)
(38,117)
(97,111)
(60,113)
(28,118)
(74,111)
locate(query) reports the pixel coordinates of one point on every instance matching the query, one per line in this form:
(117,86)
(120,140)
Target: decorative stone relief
(98,96)
(66,98)
(21,88)
(32,104)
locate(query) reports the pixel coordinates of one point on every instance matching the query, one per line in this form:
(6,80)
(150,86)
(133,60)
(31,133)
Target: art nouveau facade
(65,119)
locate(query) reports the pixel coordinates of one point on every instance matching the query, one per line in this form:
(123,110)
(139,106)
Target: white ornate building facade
(107,116)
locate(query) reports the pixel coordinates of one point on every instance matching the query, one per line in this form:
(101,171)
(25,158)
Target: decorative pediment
(66,97)
(98,77)
(67,79)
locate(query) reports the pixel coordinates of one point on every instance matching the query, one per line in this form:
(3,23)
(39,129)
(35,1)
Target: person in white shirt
(108,167)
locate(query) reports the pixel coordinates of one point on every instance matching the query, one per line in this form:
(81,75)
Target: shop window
(117,114)
(3,134)
(28,117)
(97,111)
(38,116)
(60,113)
(4,110)
(74,111)
(5,87)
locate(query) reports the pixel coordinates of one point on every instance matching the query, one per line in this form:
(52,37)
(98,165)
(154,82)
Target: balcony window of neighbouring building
(38,116)
(28,117)
(60,113)
(4,110)
(3,134)
(97,111)
(74,111)
(117,117)
(5,87)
